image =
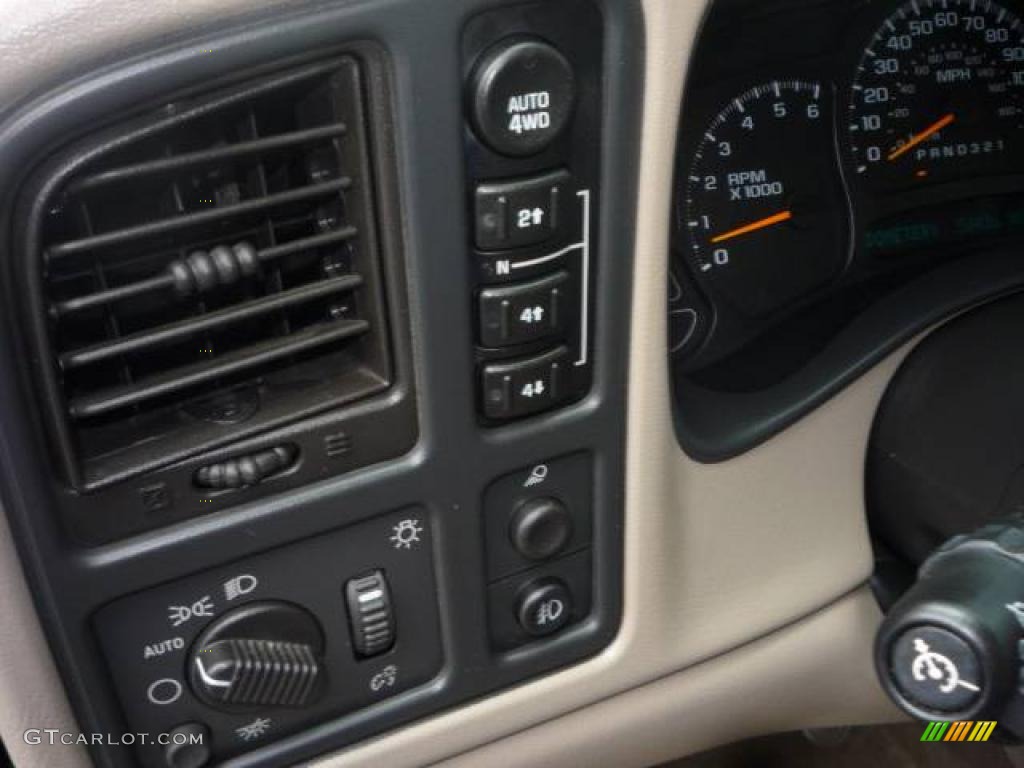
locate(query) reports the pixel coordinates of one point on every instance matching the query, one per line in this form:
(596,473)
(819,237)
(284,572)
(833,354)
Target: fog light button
(545,607)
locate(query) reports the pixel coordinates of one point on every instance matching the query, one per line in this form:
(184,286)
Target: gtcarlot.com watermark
(54,736)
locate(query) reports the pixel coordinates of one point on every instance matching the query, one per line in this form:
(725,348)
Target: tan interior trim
(717,558)
(31,693)
(46,40)
(691,711)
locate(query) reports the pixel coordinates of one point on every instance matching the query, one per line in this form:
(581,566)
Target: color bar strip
(935,731)
(984,731)
(958,732)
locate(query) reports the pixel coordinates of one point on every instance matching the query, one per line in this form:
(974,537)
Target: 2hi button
(522,97)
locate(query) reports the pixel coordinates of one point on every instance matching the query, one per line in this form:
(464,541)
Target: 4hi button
(522,97)
(523,313)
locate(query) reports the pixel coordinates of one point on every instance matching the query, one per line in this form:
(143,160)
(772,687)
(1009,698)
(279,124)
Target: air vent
(208,271)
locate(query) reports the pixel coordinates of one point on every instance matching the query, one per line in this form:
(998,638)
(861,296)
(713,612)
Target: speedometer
(938,95)
(763,219)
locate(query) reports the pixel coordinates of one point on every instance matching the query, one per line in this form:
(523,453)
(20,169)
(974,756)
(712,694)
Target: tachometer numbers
(764,217)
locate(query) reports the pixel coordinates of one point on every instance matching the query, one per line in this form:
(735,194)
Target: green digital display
(946,226)
(901,237)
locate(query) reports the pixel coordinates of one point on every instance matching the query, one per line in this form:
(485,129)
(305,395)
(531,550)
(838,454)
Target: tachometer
(938,94)
(763,216)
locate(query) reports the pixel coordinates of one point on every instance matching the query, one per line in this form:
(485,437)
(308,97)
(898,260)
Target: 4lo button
(524,387)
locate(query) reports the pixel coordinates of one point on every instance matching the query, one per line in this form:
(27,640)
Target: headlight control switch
(265,654)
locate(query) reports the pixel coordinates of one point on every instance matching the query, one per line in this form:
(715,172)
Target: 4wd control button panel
(523,94)
(524,387)
(514,214)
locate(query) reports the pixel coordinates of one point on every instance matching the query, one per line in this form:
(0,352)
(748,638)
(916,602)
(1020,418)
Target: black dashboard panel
(305,595)
(847,173)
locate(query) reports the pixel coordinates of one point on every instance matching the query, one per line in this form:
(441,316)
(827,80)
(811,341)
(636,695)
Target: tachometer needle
(746,229)
(922,137)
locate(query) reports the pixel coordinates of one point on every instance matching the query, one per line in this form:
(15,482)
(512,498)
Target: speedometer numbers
(763,218)
(939,94)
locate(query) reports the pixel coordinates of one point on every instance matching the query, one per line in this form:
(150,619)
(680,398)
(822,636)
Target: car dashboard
(472,382)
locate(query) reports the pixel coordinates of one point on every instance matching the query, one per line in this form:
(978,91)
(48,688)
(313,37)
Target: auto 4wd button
(522,97)
(524,387)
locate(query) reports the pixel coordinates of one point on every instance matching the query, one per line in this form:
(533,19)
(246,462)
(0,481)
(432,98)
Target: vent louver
(207,271)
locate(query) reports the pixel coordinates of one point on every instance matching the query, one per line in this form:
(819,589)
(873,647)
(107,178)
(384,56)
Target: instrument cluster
(831,151)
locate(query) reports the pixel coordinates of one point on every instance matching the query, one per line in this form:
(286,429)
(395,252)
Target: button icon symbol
(406,534)
(164,691)
(254,730)
(550,611)
(179,614)
(156,498)
(528,218)
(386,678)
(529,112)
(537,476)
(532,315)
(154,650)
(534,389)
(937,668)
(337,445)
(240,586)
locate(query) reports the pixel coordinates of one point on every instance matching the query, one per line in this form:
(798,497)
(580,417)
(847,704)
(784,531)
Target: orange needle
(922,137)
(756,226)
